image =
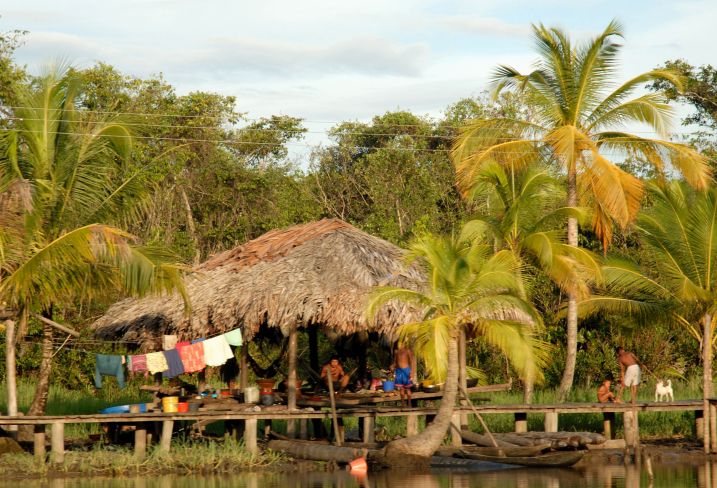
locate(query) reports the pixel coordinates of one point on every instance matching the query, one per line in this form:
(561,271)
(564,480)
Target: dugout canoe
(549,460)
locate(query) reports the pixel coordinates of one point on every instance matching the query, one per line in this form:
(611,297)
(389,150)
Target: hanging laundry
(182,344)
(108,365)
(174,364)
(217,351)
(192,357)
(156,362)
(201,339)
(137,363)
(169,342)
(234,337)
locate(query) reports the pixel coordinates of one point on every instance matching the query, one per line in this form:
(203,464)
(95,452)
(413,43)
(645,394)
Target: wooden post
(462,374)
(369,426)
(304,429)
(140,441)
(10,371)
(250,435)
(244,366)
(58,442)
(165,442)
(334,418)
(551,422)
(291,386)
(608,424)
(699,424)
(411,425)
(521,422)
(713,426)
(631,428)
(38,439)
(313,332)
(456,440)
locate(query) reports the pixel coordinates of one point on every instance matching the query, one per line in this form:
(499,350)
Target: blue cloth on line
(174,362)
(201,339)
(108,365)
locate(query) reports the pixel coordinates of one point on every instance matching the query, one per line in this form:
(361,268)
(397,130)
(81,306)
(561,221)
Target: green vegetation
(125,168)
(187,457)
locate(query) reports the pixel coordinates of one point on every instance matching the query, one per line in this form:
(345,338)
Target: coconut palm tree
(578,120)
(468,287)
(62,172)
(519,210)
(678,279)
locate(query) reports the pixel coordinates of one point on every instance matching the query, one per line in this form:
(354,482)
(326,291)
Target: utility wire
(335,122)
(231,142)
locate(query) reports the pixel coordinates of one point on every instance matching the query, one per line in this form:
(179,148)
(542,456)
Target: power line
(335,122)
(231,142)
(300,132)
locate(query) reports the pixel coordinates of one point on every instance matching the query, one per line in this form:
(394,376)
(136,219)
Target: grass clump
(185,457)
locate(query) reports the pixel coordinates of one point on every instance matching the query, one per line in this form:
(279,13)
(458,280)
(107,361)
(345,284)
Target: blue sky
(331,61)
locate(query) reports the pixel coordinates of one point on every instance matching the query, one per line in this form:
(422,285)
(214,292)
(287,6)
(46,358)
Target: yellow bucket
(169,404)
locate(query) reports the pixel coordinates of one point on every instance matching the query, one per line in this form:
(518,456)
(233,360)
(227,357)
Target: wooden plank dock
(368,414)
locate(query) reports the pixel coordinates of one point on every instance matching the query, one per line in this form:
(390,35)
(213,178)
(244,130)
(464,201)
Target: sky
(330,61)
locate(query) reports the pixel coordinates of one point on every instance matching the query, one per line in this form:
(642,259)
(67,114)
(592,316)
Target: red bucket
(183,407)
(358,465)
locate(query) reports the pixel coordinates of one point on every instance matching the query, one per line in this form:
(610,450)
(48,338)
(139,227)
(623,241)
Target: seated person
(335,371)
(604,394)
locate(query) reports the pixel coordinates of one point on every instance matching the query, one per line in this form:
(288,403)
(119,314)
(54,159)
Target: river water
(666,475)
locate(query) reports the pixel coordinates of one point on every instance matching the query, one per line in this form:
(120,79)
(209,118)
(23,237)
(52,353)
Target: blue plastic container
(123,409)
(389,386)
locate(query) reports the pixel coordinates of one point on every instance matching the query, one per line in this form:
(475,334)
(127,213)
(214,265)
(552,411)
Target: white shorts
(632,376)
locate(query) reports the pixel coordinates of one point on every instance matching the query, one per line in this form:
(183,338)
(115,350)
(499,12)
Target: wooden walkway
(164,422)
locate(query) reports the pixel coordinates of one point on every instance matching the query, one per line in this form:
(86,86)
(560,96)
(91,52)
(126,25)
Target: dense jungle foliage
(218,178)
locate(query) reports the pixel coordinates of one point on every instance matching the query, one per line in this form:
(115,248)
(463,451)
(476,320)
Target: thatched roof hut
(317,273)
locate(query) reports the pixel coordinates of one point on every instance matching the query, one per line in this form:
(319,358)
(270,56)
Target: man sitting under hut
(335,371)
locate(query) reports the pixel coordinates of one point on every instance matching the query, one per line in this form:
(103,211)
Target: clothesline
(177,357)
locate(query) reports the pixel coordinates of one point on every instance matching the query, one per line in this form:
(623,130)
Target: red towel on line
(192,357)
(138,363)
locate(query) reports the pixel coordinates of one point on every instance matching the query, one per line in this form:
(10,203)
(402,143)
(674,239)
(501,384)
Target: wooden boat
(550,460)
(518,451)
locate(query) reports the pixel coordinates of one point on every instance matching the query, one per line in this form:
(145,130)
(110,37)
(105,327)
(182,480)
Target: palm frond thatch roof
(317,273)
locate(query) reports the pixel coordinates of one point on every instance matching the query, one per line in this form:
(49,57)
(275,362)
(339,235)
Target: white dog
(663,391)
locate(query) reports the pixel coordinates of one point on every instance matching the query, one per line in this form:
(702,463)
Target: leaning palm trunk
(417,450)
(39,402)
(707,377)
(571,348)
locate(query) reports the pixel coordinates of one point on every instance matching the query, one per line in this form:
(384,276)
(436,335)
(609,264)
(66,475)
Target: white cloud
(484,26)
(259,57)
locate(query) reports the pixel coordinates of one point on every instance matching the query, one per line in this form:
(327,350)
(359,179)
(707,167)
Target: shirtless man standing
(629,373)
(402,368)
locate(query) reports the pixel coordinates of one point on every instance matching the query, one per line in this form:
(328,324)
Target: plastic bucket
(182,407)
(358,465)
(169,404)
(251,394)
(388,385)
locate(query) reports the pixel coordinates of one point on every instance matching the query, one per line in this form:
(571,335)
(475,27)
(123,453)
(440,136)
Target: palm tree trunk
(191,225)
(39,402)
(417,450)
(10,371)
(707,388)
(571,350)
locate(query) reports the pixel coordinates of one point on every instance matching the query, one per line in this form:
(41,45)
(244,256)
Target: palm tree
(468,287)
(678,278)
(519,210)
(578,120)
(62,172)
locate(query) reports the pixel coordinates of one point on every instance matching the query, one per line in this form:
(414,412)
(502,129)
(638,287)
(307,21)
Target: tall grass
(186,457)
